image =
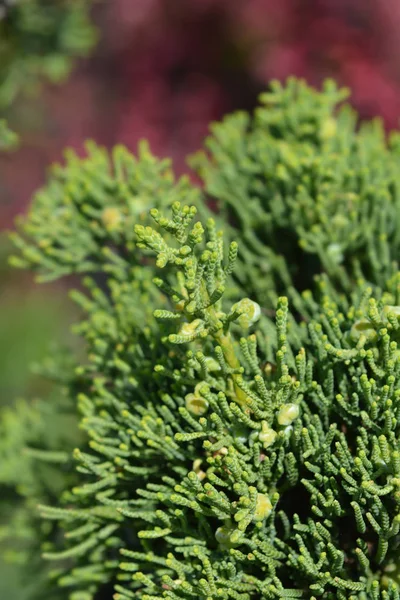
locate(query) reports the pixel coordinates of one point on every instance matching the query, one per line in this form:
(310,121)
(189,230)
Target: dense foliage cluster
(239,404)
(308,183)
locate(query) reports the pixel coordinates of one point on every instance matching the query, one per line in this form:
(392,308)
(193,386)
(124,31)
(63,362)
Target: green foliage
(302,179)
(8,138)
(39,39)
(33,470)
(31,320)
(237,444)
(90,206)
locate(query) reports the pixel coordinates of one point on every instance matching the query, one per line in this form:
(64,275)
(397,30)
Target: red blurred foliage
(164,69)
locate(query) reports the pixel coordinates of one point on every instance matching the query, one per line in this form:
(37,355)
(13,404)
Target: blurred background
(162,70)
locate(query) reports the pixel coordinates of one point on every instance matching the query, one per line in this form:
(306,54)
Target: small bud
(250,310)
(196,405)
(328,128)
(224,534)
(197,464)
(190,328)
(263,507)
(362,327)
(111,218)
(267,436)
(335,253)
(288,413)
(185,250)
